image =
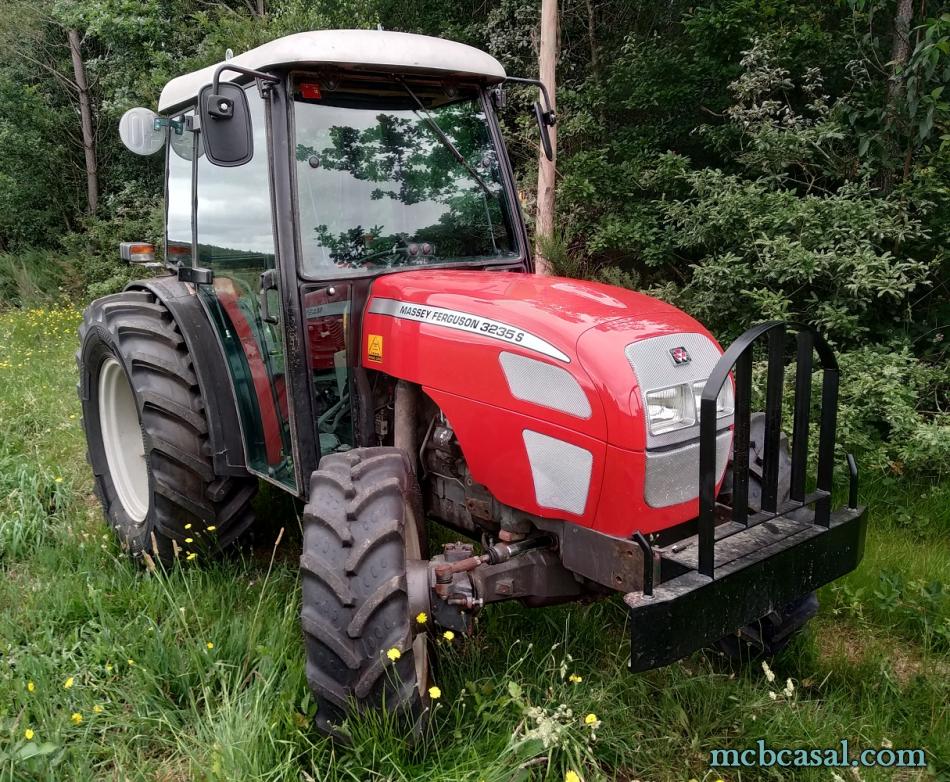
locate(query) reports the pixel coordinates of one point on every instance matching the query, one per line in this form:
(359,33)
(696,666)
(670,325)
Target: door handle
(268,283)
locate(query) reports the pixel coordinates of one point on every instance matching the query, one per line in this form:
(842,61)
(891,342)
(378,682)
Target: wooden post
(547,60)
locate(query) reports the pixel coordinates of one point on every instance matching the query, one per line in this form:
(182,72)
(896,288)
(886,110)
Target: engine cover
(532,374)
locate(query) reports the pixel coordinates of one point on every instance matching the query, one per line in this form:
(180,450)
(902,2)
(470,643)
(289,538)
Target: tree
(86,122)
(547,60)
(35,34)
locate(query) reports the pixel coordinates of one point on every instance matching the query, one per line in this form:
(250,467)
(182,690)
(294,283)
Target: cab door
(235,242)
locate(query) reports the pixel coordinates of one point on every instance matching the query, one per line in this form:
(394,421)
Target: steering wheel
(411,251)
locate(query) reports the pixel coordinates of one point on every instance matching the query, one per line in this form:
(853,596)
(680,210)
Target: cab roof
(356,49)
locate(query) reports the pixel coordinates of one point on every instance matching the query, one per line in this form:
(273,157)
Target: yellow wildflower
(59,479)
(30,687)
(435,693)
(575,679)
(191,555)
(448,635)
(97,709)
(189,540)
(130,661)
(68,683)
(209,645)
(212,528)
(421,617)
(76,718)
(188,526)
(108,667)
(28,734)
(571,776)
(394,654)
(591,719)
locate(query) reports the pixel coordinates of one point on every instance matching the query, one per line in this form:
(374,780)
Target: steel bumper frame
(739,566)
(772,565)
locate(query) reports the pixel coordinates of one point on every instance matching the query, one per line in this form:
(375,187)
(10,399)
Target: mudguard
(224,427)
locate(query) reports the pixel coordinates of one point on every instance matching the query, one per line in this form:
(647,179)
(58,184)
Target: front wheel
(361,537)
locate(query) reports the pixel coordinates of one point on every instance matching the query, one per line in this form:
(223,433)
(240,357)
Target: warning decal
(464,321)
(374,347)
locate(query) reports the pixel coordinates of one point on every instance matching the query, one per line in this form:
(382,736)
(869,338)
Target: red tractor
(349,312)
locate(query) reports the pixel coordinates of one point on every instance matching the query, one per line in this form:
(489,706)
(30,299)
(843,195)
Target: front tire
(361,528)
(146,428)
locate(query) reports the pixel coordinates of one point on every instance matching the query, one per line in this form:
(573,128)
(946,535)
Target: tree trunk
(260,8)
(547,58)
(900,49)
(592,41)
(85,117)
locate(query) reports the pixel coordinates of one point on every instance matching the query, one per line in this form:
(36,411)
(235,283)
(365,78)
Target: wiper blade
(446,141)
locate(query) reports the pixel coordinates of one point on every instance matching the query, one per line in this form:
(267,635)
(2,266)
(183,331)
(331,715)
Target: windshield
(379,188)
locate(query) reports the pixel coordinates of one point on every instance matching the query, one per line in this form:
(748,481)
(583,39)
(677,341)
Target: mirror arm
(549,115)
(226,66)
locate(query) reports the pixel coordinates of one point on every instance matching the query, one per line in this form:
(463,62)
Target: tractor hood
(453,331)
(543,381)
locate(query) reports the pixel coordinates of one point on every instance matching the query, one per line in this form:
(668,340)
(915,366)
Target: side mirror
(141,131)
(545,120)
(543,114)
(225,117)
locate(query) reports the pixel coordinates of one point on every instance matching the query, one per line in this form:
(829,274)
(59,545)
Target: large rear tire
(361,527)
(147,433)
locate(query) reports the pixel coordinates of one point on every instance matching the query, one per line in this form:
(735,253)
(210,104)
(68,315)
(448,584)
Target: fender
(224,430)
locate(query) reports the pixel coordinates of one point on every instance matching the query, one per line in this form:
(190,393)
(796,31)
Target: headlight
(670,408)
(724,402)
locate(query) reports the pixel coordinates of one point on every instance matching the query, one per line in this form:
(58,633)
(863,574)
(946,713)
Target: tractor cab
(298,172)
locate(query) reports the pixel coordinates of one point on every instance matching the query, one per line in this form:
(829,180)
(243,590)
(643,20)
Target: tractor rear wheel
(147,432)
(361,536)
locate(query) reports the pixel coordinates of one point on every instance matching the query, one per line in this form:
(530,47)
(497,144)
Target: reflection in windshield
(378,190)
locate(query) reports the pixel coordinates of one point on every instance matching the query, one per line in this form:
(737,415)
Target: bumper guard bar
(738,567)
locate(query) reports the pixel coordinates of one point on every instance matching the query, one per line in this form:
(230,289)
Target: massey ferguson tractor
(348,311)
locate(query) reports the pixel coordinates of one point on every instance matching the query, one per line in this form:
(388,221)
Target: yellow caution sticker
(374,348)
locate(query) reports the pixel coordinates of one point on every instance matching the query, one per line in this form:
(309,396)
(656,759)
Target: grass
(122,674)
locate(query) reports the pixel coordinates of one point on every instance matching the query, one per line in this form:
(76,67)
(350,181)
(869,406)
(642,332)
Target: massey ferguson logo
(680,356)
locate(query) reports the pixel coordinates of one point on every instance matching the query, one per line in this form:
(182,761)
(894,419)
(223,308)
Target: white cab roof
(362,49)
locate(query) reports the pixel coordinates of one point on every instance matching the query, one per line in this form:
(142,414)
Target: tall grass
(33,277)
(197,673)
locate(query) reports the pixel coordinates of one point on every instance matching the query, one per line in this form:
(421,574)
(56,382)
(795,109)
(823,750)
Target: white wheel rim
(122,439)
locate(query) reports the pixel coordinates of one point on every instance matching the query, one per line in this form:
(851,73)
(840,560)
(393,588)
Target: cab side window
(178,199)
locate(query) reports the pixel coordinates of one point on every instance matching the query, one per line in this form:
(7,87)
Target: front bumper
(759,569)
(741,566)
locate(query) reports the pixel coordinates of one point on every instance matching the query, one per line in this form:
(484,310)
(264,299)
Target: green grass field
(110,672)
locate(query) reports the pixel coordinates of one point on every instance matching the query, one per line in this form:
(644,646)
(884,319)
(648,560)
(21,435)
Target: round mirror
(138,133)
(184,143)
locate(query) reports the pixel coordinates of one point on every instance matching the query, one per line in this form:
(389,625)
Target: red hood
(492,350)
(555,309)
